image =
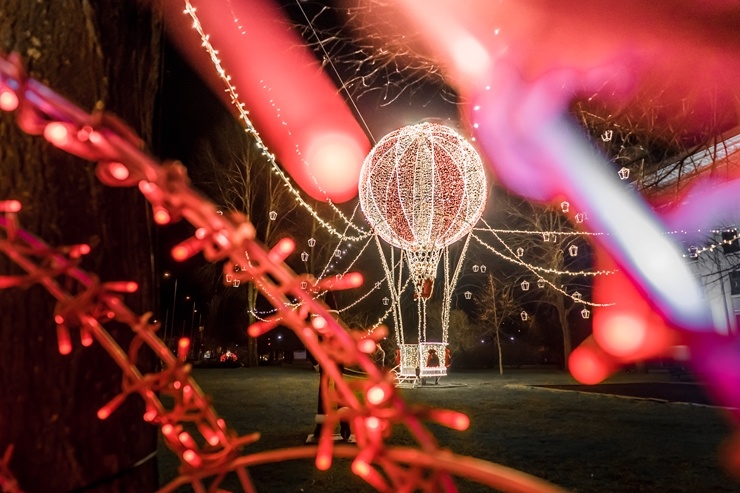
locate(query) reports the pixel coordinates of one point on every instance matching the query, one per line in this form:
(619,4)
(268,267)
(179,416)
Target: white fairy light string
(252,131)
(540,279)
(515,259)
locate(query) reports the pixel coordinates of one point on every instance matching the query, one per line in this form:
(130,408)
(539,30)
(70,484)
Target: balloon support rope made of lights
(374,405)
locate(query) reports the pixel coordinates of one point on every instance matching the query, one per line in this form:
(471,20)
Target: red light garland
(220,237)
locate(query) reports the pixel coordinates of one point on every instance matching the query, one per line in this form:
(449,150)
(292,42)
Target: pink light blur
(10,206)
(293,103)
(56,133)
(118,171)
(161,216)
(367,346)
(8,100)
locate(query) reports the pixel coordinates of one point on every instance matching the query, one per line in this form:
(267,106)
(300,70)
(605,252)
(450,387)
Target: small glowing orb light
(422,187)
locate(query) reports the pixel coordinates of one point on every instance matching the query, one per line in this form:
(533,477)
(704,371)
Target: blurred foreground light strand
(372,405)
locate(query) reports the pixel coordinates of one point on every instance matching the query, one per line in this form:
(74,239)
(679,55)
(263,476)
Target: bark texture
(103,51)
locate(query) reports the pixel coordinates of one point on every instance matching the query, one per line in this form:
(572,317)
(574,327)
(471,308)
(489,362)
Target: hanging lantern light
(554,238)
(337,253)
(586,313)
(273,215)
(229,278)
(385,300)
(545,236)
(311,242)
(693,252)
(607,135)
(580,217)
(577,296)
(304,284)
(524,316)
(525,285)
(519,252)
(304,256)
(540,283)
(483,269)
(573,250)
(475,268)
(237,282)
(565,206)
(624,173)
(468,295)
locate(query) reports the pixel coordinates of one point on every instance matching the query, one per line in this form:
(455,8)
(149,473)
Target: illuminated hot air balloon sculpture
(422,188)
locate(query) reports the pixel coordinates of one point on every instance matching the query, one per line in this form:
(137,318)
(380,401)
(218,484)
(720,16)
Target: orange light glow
(281,250)
(150,415)
(192,458)
(375,395)
(332,160)
(86,338)
(318,323)
(103,413)
(118,171)
(372,423)
(64,342)
(460,422)
(183,346)
(361,468)
(353,279)
(8,100)
(56,133)
(323,462)
(161,216)
(366,346)
(59,319)
(620,334)
(589,365)
(167,429)
(180,253)
(10,206)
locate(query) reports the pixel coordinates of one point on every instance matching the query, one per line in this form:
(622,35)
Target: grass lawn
(583,442)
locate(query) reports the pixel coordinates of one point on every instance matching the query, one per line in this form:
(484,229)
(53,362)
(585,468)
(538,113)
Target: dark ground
(531,420)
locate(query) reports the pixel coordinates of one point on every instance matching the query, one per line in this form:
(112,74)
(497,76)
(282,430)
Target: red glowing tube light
(10,206)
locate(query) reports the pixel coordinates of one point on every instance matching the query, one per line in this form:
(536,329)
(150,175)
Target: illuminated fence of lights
(374,406)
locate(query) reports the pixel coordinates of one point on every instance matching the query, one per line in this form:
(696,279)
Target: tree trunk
(565,328)
(103,51)
(500,354)
(252,356)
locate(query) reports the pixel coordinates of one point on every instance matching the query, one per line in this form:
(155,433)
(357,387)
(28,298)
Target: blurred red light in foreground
(307,125)
(8,100)
(589,364)
(56,133)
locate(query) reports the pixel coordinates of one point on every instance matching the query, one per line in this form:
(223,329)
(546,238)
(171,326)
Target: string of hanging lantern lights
(541,281)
